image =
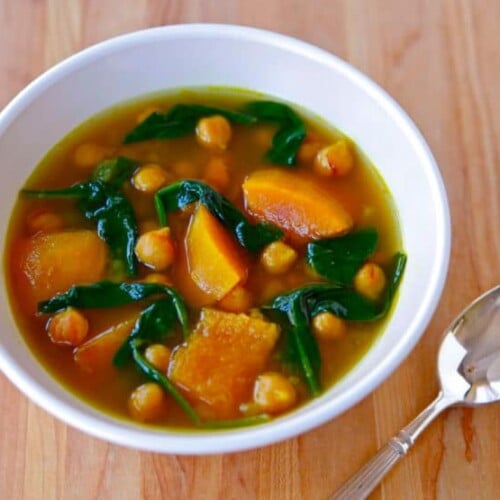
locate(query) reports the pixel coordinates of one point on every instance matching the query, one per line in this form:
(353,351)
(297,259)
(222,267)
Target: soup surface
(204,258)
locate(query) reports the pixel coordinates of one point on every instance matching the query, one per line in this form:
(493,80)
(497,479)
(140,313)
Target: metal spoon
(469,374)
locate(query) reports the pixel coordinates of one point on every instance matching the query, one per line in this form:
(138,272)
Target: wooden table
(441,61)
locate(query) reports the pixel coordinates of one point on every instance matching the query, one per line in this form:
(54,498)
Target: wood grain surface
(441,62)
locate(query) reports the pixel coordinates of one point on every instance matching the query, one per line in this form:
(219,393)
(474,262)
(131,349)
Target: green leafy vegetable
(180,120)
(102,202)
(176,196)
(106,294)
(153,374)
(153,324)
(338,259)
(296,309)
(115,171)
(289,137)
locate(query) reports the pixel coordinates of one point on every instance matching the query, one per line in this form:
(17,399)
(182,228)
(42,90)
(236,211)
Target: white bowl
(197,55)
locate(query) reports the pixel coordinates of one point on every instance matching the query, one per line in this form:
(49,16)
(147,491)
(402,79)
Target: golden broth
(362,193)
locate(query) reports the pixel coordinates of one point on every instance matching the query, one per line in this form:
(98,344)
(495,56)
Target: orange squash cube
(220,361)
(215,260)
(53,262)
(97,353)
(298,206)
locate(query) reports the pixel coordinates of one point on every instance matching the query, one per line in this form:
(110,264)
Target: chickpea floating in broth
(274,393)
(89,154)
(239,299)
(327,326)
(147,402)
(309,149)
(370,280)
(150,178)
(69,327)
(336,160)
(159,356)
(217,174)
(278,257)
(44,221)
(155,249)
(214,132)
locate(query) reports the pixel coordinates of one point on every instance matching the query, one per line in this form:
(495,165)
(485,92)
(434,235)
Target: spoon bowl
(469,375)
(477,330)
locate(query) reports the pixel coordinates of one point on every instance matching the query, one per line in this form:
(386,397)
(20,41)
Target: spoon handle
(369,476)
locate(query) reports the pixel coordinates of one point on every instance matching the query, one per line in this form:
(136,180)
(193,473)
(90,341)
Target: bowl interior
(200,55)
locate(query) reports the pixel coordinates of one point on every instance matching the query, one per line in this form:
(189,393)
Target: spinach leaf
(288,138)
(102,202)
(115,171)
(338,259)
(106,294)
(161,379)
(180,120)
(153,324)
(176,196)
(296,309)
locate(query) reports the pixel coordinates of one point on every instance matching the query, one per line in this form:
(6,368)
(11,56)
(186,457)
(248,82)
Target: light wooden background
(441,61)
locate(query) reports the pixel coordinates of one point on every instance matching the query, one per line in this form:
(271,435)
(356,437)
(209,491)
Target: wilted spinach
(296,309)
(338,259)
(154,324)
(181,120)
(291,132)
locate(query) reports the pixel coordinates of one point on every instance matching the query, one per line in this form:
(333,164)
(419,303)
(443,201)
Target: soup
(202,259)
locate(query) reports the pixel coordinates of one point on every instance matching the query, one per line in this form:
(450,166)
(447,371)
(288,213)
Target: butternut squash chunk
(52,263)
(298,206)
(97,353)
(219,363)
(214,258)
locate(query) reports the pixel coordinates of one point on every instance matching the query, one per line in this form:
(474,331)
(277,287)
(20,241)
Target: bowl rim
(173,441)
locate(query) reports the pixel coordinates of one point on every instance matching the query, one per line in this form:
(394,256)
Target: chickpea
(158,278)
(149,178)
(68,327)
(263,136)
(334,160)
(147,402)
(89,154)
(159,356)
(155,249)
(146,113)
(309,148)
(274,393)
(238,300)
(214,132)
(217,174)
(278,257)
(327,326)
(370,280)
(44,221)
